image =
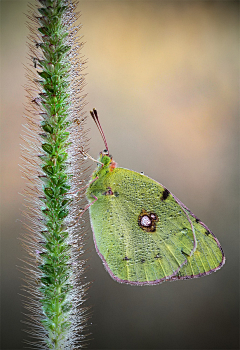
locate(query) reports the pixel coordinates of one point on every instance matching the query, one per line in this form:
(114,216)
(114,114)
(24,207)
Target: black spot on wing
(126,258)
(165,195)
(157,256)
(108,192)
(207,233)
(197,220)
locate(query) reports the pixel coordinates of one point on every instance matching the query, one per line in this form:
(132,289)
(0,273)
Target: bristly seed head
(54,170)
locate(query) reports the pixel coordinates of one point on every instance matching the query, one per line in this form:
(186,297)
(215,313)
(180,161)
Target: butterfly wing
(208,256)
(143,234)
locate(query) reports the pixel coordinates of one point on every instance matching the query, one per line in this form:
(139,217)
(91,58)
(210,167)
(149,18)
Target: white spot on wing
(145,221)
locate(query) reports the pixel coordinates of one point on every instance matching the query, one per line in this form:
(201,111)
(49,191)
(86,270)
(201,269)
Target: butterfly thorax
(104,169)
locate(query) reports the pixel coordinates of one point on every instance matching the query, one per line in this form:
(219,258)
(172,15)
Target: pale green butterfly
(142,232)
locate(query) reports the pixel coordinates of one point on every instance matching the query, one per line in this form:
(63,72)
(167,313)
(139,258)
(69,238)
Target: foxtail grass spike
(54,286)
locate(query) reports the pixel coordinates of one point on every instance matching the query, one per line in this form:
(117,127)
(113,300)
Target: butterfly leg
(83,188)
(86,155)
(85,209)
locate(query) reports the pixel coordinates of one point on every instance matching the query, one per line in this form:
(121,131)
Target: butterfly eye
(105,151)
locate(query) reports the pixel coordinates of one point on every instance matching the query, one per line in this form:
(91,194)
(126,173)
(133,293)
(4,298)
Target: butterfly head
(106,159)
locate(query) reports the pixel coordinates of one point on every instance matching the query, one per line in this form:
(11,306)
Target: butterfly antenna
(97,122)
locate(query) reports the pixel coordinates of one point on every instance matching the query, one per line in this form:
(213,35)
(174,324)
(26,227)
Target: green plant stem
(54,280)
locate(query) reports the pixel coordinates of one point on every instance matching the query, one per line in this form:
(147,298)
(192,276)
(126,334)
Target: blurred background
(164,77)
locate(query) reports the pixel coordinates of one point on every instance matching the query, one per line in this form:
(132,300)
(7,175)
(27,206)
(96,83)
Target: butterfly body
(143,233)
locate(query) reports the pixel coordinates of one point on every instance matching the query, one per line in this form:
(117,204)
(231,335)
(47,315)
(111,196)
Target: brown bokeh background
(164,76)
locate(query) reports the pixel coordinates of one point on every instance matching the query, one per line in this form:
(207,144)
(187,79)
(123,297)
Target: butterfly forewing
(142,232)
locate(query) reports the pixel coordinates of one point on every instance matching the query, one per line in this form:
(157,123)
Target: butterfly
(142,232)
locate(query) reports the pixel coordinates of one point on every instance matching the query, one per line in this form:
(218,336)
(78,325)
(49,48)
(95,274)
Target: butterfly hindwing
(145,235)
(207,258)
